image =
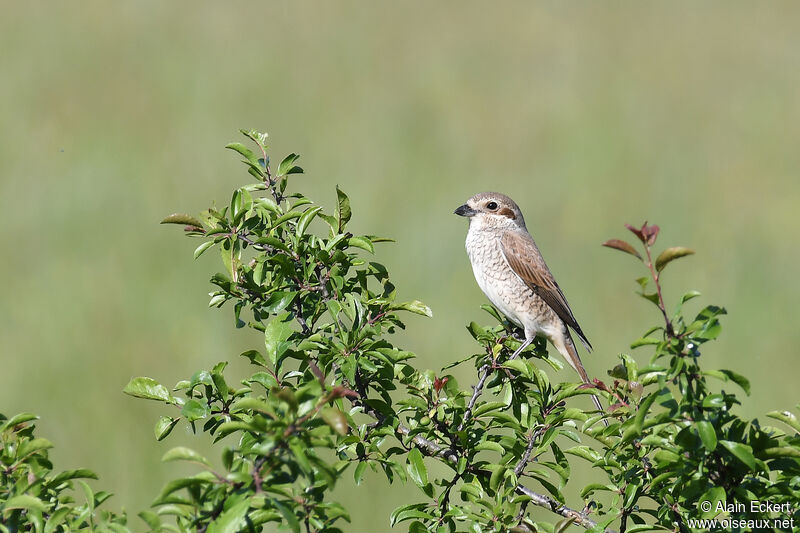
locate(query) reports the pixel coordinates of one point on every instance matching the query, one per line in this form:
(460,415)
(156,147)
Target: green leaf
(181,453)
(274,242)
(663,458)
(482,408)
(787,418)
(164,426)
(590,489)
(276,333)
(183,220)
(278,301)
(407,512)
(255,358)
(414,306)
(195,410)
(17,420)
(645,341)
(243,151)
(152,520)
(689,295)
(335,419)
(714,401)
(784,451)
(178,484)
(707,434)
(81,473)
(416,468)
(652,297)
(306,218)
(249,403)
(519,366)
(29,447)
(358,474)
(25,501)
(739,379)
(232,519)
(497,477)
(202,248)
(635,430)
(563,525)
(288,515)
(710,500)
(149,389)
(264,379)
(287,166)
(743,452)
(343,212)
(670,254)
(362,242)
(417,527)
(490,446)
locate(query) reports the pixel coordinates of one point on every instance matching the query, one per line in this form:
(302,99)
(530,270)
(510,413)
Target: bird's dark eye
(491,206)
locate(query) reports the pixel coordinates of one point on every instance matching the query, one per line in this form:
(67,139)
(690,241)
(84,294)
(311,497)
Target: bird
(512,273)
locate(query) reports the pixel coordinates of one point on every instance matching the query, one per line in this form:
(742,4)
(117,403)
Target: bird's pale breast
(503,287)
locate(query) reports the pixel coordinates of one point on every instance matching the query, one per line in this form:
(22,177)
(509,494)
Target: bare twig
(484,373)
(661,306)
(527,455)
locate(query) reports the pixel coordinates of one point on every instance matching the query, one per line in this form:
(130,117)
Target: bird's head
(492,210)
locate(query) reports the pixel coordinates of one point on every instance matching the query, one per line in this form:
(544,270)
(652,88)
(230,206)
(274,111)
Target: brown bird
(511,272)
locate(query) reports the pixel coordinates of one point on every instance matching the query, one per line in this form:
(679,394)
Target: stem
(484,373)
(527,456)
(654,274)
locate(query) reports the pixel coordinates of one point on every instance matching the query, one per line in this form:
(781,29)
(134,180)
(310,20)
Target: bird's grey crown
(506,215)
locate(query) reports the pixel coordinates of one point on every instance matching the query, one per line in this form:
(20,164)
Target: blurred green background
(589,114)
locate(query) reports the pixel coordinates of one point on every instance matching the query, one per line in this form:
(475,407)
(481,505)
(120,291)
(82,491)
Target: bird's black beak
(464,211)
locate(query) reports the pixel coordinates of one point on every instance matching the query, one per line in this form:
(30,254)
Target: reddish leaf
(623,247)
(341,392)
(650,233)
(600,385)
(646,234)
(438,383)
(637,232)
(617,406)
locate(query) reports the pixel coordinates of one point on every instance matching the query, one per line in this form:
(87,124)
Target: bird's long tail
(570,354)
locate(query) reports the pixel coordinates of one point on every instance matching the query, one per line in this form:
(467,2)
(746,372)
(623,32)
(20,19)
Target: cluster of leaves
(323,377)
(679,443)
(34,498)
(325,396)
(330,396)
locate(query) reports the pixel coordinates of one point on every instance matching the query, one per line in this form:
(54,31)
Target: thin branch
(299,317)
(547,502)
(527,455)
(661,306)
(428,447)
(484,373)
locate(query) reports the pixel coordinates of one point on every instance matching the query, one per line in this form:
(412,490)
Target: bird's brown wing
(527,262)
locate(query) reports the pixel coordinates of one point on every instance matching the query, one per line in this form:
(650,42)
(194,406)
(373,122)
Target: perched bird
(511,272)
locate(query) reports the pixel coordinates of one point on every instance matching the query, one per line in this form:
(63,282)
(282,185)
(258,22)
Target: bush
(331,396)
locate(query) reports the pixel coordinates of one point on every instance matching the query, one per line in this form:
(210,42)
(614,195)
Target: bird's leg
(522,347)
